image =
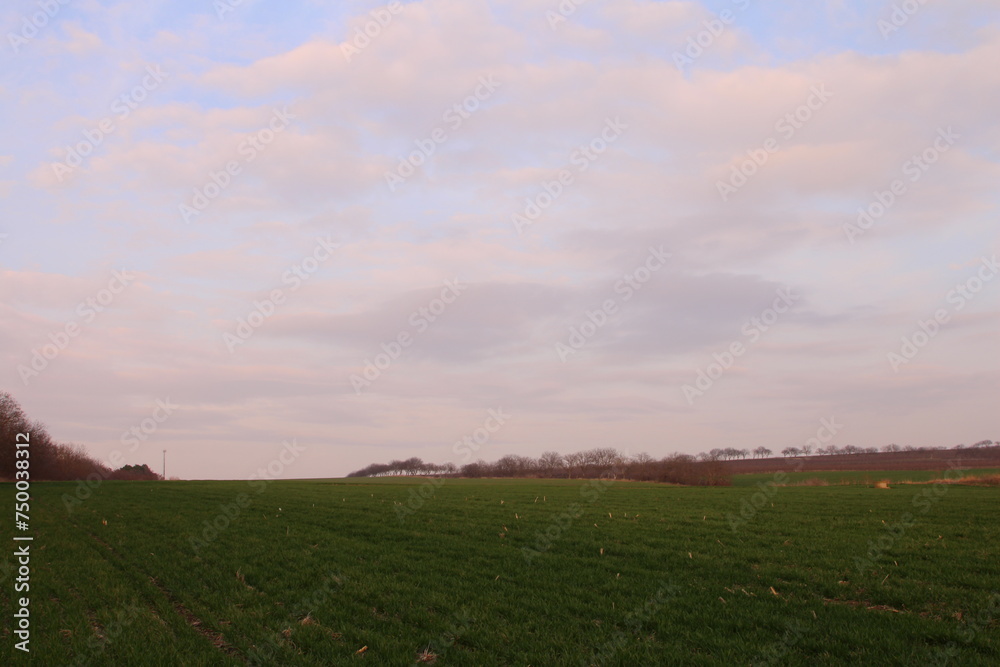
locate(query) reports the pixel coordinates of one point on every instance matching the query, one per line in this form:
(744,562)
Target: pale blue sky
(657,184)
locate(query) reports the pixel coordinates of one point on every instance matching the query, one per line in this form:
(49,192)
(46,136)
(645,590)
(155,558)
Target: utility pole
(164,465)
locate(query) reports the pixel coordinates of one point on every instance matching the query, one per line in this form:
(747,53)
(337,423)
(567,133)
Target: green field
(514,572)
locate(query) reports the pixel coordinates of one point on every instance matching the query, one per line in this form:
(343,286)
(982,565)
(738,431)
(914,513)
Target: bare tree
(640,466)
(49,460)
(642,458)
(551,464)
(413,466)
(476,469)
(603,458)
(507,466)
(12,421)
(574,464)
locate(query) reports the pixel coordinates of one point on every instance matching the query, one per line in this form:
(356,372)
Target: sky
(291,239)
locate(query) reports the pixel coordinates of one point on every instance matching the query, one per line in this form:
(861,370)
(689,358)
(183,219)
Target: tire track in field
(215,638)
(95,625)
(196,623)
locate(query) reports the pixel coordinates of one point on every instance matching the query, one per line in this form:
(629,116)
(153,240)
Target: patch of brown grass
(426,656)
(813,481)
(969,480)
(980,480)
(866,605)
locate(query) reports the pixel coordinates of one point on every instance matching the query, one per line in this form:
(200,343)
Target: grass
(511,572)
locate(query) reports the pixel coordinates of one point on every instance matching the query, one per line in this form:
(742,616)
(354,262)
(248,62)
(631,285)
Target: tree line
(731,453)
(603,462)
(706,468)
(54,461)
(49,460)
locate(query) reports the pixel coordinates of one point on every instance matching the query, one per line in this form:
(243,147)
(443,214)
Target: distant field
(514,572)
(865,477)
(934,459)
